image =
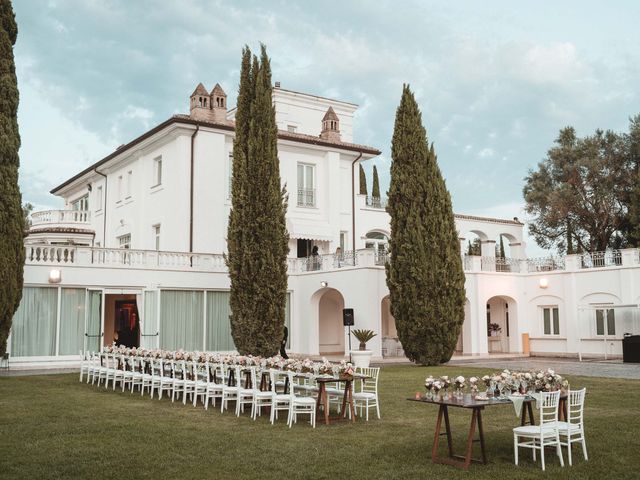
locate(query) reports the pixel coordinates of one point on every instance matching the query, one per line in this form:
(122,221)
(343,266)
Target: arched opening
(471,243)
(391,346)
(501,324)
(464,329)
(330,328)
(379,242)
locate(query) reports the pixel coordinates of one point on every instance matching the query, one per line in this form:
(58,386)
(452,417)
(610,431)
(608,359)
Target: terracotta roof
(60,230)
(200,90)
(488,219)
(330,115)
(218,89)
(226,125)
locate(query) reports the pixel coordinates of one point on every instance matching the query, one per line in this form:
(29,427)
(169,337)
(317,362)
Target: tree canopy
(11,215)
(425,276)
(257,238)
(584,195)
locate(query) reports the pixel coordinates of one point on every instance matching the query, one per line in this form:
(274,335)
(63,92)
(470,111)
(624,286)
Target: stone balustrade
(61,217)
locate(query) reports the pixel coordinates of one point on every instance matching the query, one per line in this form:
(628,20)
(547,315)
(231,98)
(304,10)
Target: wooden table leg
(322,400)
(481,434)
(352,409)
(448,430)
(472,431)
(562,410)
(436,436)
(532,420)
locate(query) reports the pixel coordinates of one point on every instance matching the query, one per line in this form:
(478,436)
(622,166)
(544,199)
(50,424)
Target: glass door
(93,321)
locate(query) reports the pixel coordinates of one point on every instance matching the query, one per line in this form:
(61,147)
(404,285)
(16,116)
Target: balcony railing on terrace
(322,262)
(500,264)
(545,264)
(376,202)
(608,258)
(61,217)
(306,197)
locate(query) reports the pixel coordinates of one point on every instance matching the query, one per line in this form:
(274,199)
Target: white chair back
(549,402)
(369,384)
(575,406)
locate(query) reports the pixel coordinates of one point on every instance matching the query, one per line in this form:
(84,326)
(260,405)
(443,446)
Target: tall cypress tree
(11,216)
(502,255)
(375,189)
(425,276)
(257,236)
(363,181)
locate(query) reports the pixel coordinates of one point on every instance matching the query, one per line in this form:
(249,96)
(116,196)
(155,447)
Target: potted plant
(362,356)
(494,329)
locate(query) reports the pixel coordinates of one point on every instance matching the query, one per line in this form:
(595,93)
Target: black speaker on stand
(348,321)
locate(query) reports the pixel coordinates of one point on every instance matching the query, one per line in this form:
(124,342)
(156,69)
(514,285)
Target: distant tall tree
(375,189)
(474,248)
(11,217)
(27,208)
(632,148)
(363,181)
(257,236)
(577,194)
(425,276)
(501,246)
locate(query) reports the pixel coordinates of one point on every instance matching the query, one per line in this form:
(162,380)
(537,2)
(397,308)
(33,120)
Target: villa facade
(136,255)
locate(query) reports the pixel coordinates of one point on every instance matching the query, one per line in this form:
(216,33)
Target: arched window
(377,240)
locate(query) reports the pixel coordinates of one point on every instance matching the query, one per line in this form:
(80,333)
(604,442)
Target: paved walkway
(564,366)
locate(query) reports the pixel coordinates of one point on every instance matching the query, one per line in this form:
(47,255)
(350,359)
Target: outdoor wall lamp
(324,284)
(55,276)
(544,283)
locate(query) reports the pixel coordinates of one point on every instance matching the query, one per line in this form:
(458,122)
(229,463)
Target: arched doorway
(379,242)
(330,328)
(391,346)
(501,324)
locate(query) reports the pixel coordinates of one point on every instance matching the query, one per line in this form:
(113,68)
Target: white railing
(61,216)
(46,254)
(545,264)
(500,264)
(306,197)
(322,262)
(467,265)
(376,202)
(608,258)
(123,257)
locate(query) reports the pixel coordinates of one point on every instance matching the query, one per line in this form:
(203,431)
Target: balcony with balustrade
(61,226)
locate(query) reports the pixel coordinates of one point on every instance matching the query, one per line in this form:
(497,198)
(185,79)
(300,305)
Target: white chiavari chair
(537,437)
(261,398)
(215,386)
(299,404)
(572,430)
(279,401)
(231,388)
(367,396)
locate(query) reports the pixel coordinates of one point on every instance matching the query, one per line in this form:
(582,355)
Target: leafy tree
(11,215)
(363,181)
(577,194)
(474,248)
(257,236)
(375,189)
(632,147)
(425,276)
(501,248)
(27,208)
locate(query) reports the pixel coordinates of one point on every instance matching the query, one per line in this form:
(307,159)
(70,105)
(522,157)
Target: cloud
(493,82)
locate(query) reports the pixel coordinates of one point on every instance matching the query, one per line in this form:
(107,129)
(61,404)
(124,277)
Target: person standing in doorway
(283,343)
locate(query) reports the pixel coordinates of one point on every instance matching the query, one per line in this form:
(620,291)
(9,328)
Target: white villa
(137,253)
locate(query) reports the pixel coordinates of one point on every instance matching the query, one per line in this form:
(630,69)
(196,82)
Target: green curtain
(287,318)
(94,321)
(33,332)
(72,305)
(181,319)
(150,320)
(218,326)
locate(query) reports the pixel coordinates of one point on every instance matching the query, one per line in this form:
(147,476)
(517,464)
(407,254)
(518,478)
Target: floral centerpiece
(473,385)
(428,384)
(459,383)
(446,383)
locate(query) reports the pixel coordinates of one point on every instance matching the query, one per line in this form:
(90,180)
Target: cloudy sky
(495,80)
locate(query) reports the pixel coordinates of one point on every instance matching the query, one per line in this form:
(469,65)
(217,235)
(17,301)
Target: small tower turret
(218,104)
(330,126)
(200,105)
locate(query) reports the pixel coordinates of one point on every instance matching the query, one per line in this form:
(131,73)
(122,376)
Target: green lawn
(54,427)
